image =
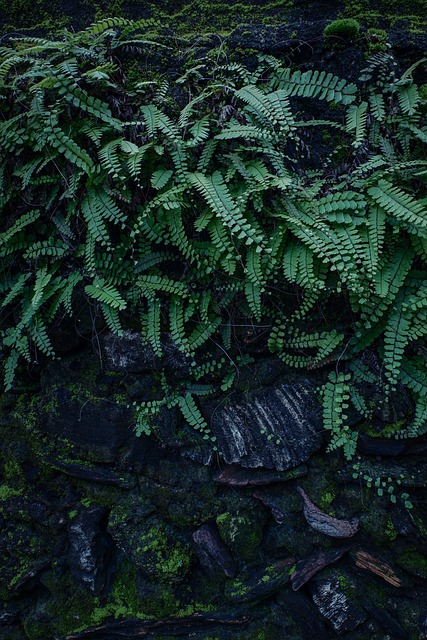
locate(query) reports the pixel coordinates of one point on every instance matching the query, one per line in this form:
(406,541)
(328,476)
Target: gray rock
(99,426)
(387,622)
(276,428)
(127,353)
(304,614)
(335,606)
(81,405)
(212,552)
(90,549)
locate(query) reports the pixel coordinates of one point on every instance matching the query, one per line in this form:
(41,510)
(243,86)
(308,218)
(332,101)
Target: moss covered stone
(241,532)
(413,562)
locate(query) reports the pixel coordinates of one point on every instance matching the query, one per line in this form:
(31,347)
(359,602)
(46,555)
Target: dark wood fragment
(366,561)
(92,474)
(236,476)
(308,567)
(212,552)
(328,525)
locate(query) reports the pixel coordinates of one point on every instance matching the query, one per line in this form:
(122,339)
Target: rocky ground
(104,535)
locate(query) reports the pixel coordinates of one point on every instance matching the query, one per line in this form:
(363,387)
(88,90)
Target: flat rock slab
(275,428)
(186,626)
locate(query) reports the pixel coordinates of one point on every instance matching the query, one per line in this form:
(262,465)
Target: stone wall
(105,535)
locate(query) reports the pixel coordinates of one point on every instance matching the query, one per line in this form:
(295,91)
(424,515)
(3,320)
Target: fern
(192,414)
(105,293)
(201,209)
(336,394)
(356,121)
(399,204)
(218,197)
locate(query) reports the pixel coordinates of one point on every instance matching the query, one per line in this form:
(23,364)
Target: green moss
(160,557)
(390,531)
(222,17)
(14,474)
(372,13)
(327,497)
(376,40)
(28,13)
(413,562)
(340,32)
(7,492)
(344,584)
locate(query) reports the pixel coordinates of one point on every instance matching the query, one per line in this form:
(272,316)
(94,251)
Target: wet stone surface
(274,428)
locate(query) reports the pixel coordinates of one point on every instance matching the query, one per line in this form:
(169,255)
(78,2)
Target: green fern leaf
(218,197)
(154,326)
(160,178)
(112,319)
(356,121)
(408,98)
(21,223)
(105,293)
(399,204)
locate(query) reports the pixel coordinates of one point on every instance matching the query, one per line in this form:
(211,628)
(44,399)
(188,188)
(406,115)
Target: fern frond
(399,204)
(408,98)
(315,84)
(21,223)
(218,197)
(154,326)
(356,121)
(16,287)
(160,178)
(105,293)
(336,394)
(148,284)
(192,414)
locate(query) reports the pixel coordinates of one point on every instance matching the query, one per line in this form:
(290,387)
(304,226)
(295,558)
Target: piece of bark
(308,567)
(320,521)
(364,560)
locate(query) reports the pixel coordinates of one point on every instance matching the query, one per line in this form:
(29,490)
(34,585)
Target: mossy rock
(156,549)
(241,531)
(413,562)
